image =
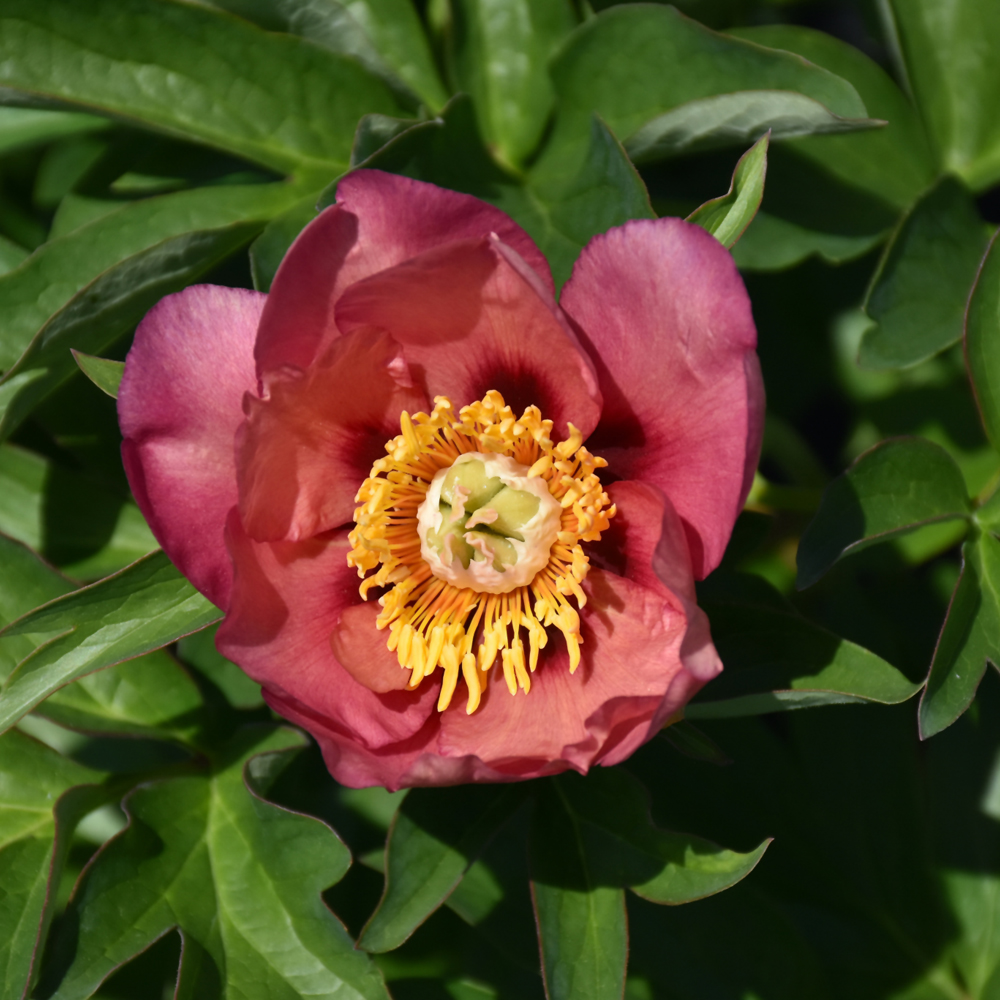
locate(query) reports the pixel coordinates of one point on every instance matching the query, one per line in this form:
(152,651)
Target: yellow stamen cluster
(431,622)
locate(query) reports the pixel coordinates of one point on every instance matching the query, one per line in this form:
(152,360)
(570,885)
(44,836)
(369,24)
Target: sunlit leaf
(142,608)
(918,294)
(195,73)
(104,373)
(239,876)
(982,342)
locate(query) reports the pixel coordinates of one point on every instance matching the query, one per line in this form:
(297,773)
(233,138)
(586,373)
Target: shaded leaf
(947,47)
(633,63)
(239,876)
(142,608)
(896,162)
(21,127)
(500,53)
(198,650)
(104,373)
(777,660)
(71,517)
(898,486)
(982,342)
(36,824)
(193,72)
(269,249)
(918,294)
(970,636)
(434,838)
(727,218)
(692,742)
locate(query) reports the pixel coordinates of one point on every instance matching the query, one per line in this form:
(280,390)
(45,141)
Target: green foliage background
(162,834)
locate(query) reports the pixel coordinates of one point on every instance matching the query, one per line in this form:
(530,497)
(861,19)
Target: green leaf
(896,162)
(36,823)
(11,255)
(918,294)
(87,288)
(634,63)
(947,47)
(195,73)
(500,51)
(692,742)
(434,838)
(198,650)
(727,119)
(142,608)
(982,341)
(582,925)
(71,517)
(20,127)
(777,660)
(385,36)
(104,373)
(897,486)
(240,877)
(969,638)
(727,218)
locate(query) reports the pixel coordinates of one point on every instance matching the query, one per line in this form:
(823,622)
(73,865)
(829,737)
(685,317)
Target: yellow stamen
(432,623)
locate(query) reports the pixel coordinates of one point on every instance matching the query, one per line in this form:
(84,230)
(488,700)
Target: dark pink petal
(307,447)
(179,406)
(668,324)
(289,599)
(469,321)
(379,221)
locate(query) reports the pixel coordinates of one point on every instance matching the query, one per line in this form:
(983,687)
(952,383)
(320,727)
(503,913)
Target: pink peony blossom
(256,430)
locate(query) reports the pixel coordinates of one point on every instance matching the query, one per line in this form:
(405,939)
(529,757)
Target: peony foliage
(499,499)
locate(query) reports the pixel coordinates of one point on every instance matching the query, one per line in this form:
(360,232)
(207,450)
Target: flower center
(474,523)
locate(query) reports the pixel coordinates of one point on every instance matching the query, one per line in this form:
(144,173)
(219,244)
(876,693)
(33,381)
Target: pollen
(472,527)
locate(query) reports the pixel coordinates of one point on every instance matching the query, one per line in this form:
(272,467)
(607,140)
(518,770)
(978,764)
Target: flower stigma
(474,523)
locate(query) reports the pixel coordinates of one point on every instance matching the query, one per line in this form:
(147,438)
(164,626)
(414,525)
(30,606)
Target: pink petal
(289,599)
(469,321)
(179,408)
(668,324)
(646,652)
(379,221)
(307,447)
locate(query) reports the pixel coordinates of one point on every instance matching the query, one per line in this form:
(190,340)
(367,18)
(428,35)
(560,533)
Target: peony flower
(454,526)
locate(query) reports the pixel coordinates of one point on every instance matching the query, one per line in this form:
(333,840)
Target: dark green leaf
(918,294)
(692,742)
(898,486)
(104,373)
(198,650)
(982,342)
(727,217)
(969,638)
(731,119)
(11,255)
(238,875)
(142,608)
(195,73)
(948,47)
(582,925)
(896,162)
(634,63)
(500,53)
(86,289)
(31,126)
(71,517)
(777,660)
(435,836)
(36,822)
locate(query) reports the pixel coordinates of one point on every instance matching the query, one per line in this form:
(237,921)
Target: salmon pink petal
(179,406)
(307,447)
(470,318)
(288,601)
(379,221)
(646,651)
(665,315)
